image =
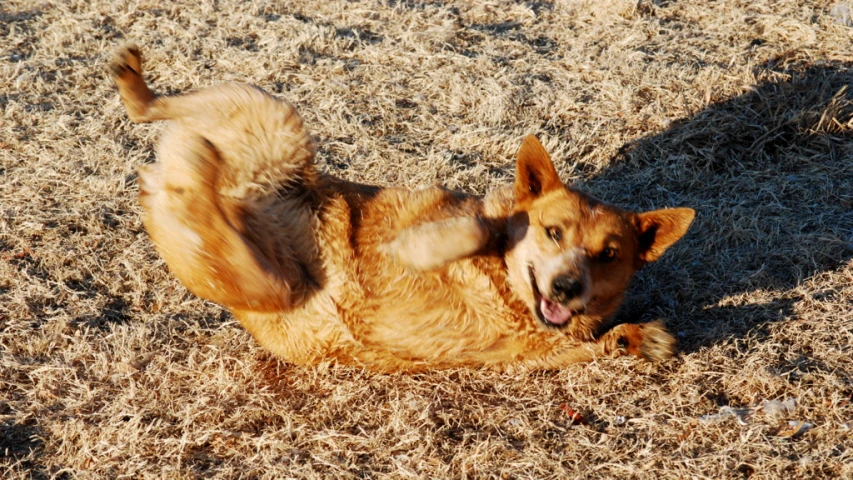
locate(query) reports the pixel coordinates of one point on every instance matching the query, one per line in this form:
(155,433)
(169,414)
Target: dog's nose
(566,288)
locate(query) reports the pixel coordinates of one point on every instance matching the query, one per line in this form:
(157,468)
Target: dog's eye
(554,233)
(608,255)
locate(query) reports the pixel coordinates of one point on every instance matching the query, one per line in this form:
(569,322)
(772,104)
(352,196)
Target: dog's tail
(262,140)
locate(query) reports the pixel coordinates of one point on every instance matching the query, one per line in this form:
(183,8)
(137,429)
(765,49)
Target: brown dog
(317,267)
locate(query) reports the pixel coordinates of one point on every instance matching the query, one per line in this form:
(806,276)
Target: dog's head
(571,256)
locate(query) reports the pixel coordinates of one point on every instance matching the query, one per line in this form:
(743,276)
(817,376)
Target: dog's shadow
(770,173)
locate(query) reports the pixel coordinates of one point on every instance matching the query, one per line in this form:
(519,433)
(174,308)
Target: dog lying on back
(316,267)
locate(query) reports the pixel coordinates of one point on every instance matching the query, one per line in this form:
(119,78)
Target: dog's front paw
(651,341)
(657,344)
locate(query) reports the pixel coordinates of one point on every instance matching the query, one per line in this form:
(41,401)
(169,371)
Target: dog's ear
(535,173)
(659,229)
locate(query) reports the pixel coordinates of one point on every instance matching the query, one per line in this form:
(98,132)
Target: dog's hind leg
(261,139)
(197,232)
(142,105)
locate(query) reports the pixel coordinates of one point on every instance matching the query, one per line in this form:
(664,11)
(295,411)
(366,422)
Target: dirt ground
(742,110)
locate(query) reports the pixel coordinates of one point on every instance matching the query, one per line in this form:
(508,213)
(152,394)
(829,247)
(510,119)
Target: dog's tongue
(554,312)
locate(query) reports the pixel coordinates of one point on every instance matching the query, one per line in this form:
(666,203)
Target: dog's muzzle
(565,288)
(555,313)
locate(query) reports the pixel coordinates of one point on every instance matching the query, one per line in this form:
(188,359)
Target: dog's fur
(317,267)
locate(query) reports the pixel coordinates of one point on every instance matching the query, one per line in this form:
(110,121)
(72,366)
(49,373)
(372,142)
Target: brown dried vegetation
(742,110)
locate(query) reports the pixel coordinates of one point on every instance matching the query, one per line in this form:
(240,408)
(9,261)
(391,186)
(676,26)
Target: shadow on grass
(20,443)
(770,174)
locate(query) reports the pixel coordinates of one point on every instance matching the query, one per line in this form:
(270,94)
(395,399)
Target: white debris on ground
(841,14)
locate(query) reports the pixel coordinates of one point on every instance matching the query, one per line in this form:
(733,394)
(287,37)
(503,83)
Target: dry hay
(740,109)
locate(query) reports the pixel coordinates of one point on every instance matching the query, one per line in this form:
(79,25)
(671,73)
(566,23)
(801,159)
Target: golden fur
(317,267)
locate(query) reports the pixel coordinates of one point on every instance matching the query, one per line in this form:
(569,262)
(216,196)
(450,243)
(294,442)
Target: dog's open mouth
(549,312)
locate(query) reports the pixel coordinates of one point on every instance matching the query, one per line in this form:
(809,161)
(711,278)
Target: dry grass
(109,368)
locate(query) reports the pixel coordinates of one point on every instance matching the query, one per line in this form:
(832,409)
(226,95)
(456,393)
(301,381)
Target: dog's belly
(437,317)
(305,335)
(456,316)
(391,319)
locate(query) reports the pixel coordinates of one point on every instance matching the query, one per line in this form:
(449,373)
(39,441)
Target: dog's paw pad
(657,344)
(127,60)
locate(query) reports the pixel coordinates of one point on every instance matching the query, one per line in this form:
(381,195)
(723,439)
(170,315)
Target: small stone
(776,408)
(841,14)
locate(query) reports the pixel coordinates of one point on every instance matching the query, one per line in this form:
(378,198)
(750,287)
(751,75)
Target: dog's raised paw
(431,245)
(657,343)
(127,60)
